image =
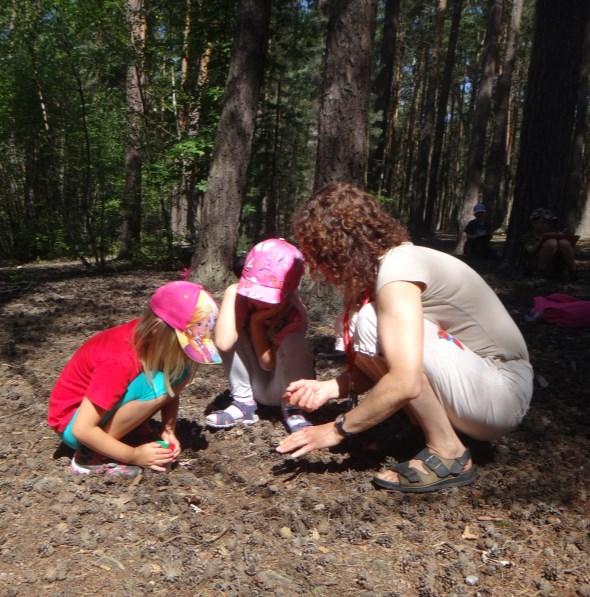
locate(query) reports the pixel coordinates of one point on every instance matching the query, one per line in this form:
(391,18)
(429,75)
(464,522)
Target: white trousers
(483,397)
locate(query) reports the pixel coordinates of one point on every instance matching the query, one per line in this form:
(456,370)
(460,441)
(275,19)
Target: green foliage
(64,120)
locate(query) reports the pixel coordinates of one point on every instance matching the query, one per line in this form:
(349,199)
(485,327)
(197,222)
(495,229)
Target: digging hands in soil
(154,456)
(170,438)
(311,438)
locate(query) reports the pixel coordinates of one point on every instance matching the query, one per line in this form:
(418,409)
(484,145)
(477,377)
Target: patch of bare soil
(236,518)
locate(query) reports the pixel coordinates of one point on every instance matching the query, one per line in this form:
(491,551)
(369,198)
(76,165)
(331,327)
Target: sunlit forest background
(147,129)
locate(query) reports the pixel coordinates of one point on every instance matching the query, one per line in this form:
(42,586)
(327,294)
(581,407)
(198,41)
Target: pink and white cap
(191,311)
(272,270)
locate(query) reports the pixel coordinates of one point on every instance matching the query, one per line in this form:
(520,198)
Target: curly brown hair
(342,231)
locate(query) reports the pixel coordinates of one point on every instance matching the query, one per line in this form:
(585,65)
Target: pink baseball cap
(272,270)
(191,311)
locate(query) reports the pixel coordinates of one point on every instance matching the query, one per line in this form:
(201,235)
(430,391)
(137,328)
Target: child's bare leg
(133,414)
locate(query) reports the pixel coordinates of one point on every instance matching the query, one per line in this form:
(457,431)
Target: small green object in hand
(162,443)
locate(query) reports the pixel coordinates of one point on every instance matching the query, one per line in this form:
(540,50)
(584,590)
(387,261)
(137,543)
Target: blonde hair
(158,349)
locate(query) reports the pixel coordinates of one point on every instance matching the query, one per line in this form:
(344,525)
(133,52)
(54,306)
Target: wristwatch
(339,423)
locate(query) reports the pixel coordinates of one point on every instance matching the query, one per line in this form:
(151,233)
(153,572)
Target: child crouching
(261,336)
(119,378)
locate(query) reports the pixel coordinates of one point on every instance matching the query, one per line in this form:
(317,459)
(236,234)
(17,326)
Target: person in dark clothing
(548,250)
(479,235)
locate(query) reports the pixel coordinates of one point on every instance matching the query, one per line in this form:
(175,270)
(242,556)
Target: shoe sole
(103,469)
(77,469)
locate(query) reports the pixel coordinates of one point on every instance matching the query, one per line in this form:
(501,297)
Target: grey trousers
(247,380)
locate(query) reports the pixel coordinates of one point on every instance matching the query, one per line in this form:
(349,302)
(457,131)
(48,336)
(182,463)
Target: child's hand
(171,439)
(153,456)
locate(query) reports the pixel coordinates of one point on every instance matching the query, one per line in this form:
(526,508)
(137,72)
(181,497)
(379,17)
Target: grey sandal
(222,419)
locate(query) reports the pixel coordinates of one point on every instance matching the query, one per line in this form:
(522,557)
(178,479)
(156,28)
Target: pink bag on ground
(562,309)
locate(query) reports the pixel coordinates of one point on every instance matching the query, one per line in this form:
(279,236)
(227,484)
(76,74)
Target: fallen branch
(17,412)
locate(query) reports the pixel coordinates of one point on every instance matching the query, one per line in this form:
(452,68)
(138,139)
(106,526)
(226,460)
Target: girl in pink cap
(260,333)
(119,378)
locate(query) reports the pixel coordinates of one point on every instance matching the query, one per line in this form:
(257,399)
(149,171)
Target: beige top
(457,299)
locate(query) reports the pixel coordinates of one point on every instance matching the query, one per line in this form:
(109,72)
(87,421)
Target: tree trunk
(578,182)
(409,144)
(343,120)
(427,125)
(226,183)
(131,229)
(383,89)
(441,116)
(483,104)
(391,151)
(271,212)
(547,132)
(496,163)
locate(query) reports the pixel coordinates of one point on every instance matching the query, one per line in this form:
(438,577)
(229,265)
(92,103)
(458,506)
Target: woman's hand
(310,394)
(309,439)
(153,456)
(171,439)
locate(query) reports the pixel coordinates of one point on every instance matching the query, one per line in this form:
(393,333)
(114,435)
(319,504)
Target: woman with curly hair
(424,333)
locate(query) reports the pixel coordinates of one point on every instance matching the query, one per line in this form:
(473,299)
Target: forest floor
(236,518)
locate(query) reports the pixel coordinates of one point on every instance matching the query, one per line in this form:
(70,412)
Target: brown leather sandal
(443,473)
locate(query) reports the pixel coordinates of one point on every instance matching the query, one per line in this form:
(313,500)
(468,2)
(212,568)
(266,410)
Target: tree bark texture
(409,141)
(427,123)
(218,232)
(343,121)
(132,208)
(383,89)
(578,186)
(441,116)
(496,163)
(547,130)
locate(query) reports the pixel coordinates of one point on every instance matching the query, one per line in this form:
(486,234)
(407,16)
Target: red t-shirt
(100,370)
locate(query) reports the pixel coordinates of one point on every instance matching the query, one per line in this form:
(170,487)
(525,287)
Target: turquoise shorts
(141,388)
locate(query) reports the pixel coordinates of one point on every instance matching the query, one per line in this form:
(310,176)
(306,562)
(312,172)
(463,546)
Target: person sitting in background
(479,234)
(549,251)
